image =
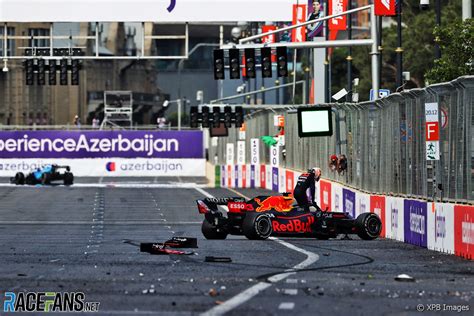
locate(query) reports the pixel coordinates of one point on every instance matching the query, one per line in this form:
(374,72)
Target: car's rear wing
(207,205)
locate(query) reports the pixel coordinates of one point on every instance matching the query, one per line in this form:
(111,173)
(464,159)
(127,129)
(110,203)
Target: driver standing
(304,191)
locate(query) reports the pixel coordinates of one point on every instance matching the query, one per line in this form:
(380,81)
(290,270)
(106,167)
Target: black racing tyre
(30,179)
(68,178)
(257,226)
(45,178)
(368,226)
(19,178)
(212,232)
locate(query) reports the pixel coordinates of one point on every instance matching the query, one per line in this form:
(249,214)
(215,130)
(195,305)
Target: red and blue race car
(265,216)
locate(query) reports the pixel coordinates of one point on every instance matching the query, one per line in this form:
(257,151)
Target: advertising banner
(275,179)
(362,203)
(336,197)
(229,176)
(236,176)
(281,181)
(299,16)
(111,167)
(377,206)
(229,153)
(275,156)
(252,176)
(385,7)
(349,201)
(223,176)
(441,227)
(241,152)
(464,231)
(394,218)
(290,185)
(269,177)
(101,144)
(254,151)
(416,223)
(325,193)
(145,10)
(335,7)
(263,174)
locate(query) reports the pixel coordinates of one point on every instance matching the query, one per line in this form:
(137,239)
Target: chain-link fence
(384,142)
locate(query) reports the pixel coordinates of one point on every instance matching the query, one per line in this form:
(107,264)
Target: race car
(265,216)
(44,175)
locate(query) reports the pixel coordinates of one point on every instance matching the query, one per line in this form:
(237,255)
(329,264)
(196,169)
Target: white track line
(129,185)
(254,290)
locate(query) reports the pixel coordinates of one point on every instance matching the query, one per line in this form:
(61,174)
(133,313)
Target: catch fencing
(384,142)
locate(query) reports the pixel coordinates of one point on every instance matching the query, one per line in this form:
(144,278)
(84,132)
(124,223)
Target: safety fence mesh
(384,142)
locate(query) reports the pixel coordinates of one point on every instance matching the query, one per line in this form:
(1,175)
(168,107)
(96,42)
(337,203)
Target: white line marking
(286,305)
(292,281)
(290,291)
(183,185)
(254,290)
(150,222)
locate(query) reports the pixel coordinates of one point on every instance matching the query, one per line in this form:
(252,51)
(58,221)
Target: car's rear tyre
(68,178)
(212,232)
(368,226)
(257,226)
(45,179)
(19,178)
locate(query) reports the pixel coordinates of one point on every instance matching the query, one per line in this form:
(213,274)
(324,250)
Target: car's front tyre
(369,226)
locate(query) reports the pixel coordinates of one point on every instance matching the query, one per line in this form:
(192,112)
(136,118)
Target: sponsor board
(325,195)
(464,231)
(282,181)
(349,201)
(377,206)
(263,176)
(336,198)
(229,176)
(275,179)
(394,218)
(223,176)
(111,167)
(290,178)
(362,203)
(416,222)
(236,176)
(101,144)
(441,227)
(268,177)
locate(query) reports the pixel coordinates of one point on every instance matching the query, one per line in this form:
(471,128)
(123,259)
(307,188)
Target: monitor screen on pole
(314,121)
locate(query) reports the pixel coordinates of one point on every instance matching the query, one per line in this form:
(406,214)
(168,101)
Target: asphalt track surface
(83,238)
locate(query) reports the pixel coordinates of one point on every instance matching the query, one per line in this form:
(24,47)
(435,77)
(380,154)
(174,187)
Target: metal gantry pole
(399,49)
(349,54)
(375,65)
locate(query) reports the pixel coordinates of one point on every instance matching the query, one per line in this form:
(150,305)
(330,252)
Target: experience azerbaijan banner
(105,153)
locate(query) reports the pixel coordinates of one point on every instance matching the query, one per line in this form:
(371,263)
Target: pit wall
(443,227)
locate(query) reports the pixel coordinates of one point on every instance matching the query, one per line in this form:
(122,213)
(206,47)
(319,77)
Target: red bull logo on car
(277,203)
(294,225)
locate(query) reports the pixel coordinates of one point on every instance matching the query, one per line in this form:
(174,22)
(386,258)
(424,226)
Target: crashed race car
(265,216)
(44,175)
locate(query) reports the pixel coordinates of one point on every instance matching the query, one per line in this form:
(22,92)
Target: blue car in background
(45,175)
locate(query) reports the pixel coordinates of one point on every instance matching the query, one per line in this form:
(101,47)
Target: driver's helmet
(317,172)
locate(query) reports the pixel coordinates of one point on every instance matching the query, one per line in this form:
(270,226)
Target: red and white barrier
(443,227)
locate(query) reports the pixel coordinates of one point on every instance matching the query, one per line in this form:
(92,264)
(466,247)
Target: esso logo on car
(237,205)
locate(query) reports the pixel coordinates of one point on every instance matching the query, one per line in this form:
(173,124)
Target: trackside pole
(374,53)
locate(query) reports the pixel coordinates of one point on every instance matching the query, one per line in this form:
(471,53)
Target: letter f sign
(432,131)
